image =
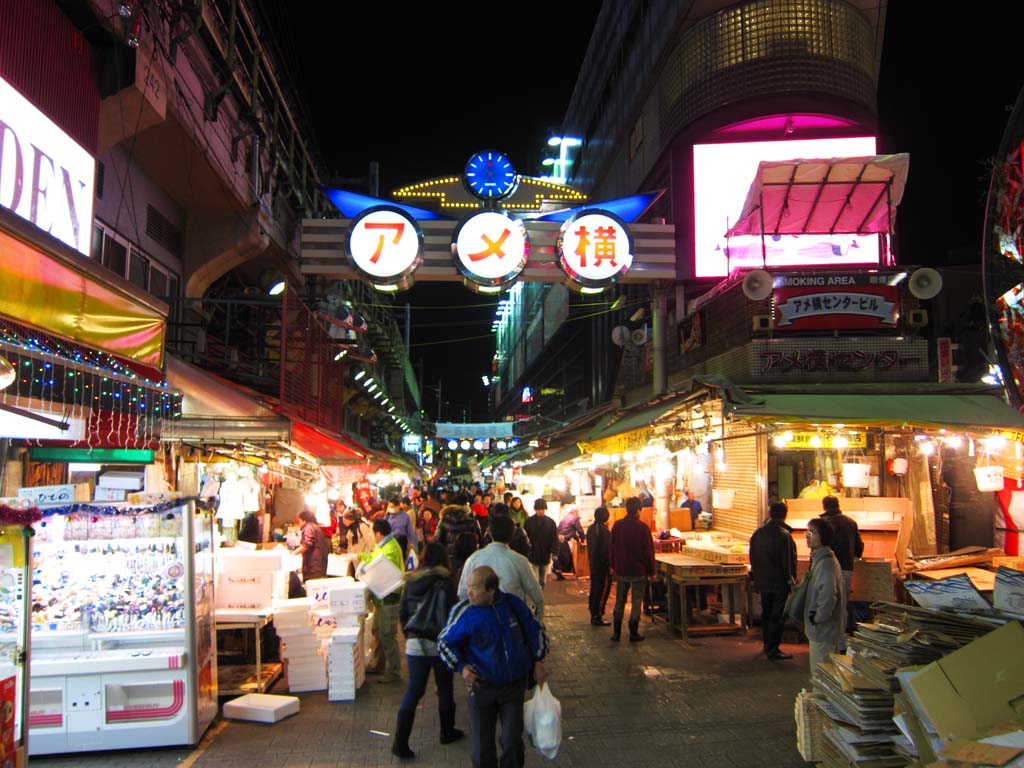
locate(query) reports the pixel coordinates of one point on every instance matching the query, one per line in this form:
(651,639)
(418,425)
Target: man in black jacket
(773,570)
(599,544)
(543,535)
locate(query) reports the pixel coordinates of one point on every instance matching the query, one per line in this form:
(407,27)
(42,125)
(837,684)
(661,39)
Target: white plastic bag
(543,719)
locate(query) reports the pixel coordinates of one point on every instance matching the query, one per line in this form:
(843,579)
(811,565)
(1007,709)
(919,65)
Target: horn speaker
(924,283)
(757,285)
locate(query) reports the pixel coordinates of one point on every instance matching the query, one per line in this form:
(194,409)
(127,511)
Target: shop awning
(551,461)
(325,448)
(632,431)
(839,195)
(60,292)
(214,411)
(923,408)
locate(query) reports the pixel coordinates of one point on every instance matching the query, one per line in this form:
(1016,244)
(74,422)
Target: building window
(122,257)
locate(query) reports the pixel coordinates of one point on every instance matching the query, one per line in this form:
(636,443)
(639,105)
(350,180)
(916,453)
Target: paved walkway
(713,702)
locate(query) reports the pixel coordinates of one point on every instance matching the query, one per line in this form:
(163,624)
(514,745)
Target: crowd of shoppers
(485,564)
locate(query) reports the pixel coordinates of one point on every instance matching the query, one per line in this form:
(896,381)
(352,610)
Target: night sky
(419,93)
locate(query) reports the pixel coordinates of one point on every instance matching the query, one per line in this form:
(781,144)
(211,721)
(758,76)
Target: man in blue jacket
(493,641)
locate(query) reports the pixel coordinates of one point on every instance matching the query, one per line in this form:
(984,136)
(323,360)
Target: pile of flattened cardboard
(927,688)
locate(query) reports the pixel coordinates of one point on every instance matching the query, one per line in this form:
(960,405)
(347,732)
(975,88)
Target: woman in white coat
(825,609)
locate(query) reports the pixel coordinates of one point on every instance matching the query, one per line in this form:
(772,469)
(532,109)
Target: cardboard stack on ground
(261,707)
(305,668)
(954,669)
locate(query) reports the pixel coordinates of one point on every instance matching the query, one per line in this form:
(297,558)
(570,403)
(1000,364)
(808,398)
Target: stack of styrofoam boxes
(246,579)
(300,647)
(346,653)
(346,663)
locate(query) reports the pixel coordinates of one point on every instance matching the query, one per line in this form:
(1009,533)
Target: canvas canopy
(839,195)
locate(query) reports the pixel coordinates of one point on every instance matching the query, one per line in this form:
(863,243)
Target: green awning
(926,410)
(551,461)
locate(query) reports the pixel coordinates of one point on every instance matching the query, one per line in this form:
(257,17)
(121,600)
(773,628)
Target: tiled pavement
(712,702)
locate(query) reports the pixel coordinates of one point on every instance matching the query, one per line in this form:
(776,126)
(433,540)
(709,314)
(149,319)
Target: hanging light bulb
(927,448)
(816,441)
(953,441)
(840,442)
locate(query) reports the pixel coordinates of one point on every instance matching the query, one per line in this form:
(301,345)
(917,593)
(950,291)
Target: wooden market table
(679,571)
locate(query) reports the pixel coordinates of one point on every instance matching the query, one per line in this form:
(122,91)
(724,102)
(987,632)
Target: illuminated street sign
(594,248)
(490,250)
(385,245)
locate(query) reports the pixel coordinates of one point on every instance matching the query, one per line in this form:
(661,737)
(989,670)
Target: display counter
(122,628)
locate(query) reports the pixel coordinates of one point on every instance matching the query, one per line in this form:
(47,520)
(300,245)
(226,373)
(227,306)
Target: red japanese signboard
(835,301)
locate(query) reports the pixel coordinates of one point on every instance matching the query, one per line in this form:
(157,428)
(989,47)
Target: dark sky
(419,87)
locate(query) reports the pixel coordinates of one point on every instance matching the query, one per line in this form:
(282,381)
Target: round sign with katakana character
(385,245)
(490,249)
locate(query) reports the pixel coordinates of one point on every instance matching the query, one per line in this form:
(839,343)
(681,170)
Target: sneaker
(599,622)
(636,638)
(616,638)
(403,753)
(780,656)
(389,677)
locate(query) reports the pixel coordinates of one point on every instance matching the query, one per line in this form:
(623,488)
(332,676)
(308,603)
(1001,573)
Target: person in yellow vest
(386,659)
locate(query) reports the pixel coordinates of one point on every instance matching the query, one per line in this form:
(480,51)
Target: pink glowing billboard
(722,175)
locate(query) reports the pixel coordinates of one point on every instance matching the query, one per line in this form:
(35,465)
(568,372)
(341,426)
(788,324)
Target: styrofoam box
(381,576)
(349,595)
(245,591)
(350,620)
(318,590)
(295,605)
(261,707)
(248,561)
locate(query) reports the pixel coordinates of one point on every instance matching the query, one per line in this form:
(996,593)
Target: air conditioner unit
(761,323)
(917,318)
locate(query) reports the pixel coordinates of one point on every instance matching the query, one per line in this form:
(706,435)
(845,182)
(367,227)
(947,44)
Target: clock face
(490,175)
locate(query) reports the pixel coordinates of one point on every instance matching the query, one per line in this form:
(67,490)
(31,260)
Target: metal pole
(659,311)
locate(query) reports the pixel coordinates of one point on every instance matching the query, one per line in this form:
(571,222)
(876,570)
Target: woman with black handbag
(427,599)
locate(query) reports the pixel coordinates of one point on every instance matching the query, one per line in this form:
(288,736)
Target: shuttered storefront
(746,466)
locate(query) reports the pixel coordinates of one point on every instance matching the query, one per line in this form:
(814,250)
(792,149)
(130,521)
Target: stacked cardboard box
(305,668)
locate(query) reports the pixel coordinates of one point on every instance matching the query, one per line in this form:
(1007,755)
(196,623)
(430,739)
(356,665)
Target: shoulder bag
(431,613)
(797,600)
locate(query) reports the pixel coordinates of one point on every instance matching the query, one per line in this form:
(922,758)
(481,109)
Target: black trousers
(773,619)
(488,705)
(600,588)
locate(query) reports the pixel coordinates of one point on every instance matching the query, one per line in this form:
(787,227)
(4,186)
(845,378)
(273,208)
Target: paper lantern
(989,478)
(856,475)
(7,373)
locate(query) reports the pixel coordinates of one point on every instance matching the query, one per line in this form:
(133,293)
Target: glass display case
(123,651)
(15,549)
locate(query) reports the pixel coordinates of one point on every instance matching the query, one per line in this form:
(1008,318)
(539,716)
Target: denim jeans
(419,674)
(541,571)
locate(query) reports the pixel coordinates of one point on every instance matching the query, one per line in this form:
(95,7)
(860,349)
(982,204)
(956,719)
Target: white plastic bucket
(856,475)
(989,478)
(722,498)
